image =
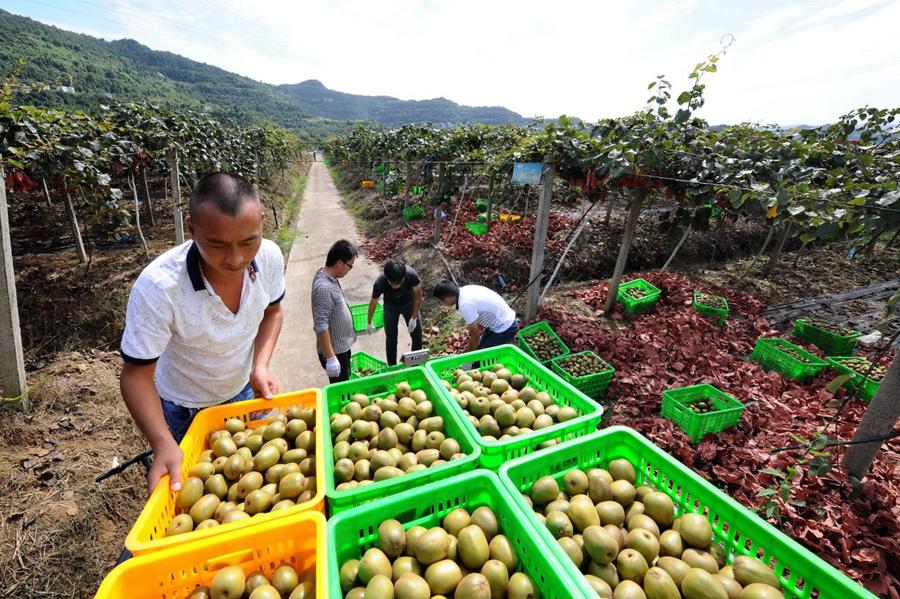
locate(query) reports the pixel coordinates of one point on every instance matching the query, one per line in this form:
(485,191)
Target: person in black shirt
(402,290)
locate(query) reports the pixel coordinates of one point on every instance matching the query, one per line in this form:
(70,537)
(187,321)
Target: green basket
(351,534)
(495,453)
(362,361)
(481,204)
(418,190)
(768,353)
(830,343)
(541,325)
(360,312)
(593,385)
(412,213)
(702,308)
(477,228)
(635,306)
(337,395)
(739,530)
(867,387)
(676,407)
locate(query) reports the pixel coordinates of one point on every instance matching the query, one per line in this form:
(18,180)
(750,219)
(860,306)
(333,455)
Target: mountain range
(86,70)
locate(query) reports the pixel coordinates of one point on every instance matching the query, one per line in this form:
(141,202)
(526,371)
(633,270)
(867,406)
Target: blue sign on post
(527,173)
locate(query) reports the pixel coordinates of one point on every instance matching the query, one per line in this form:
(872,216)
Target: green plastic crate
(593,385)
(676,407)
(706,310)
(351,534)
(768,353)
(360,312)
(830,343)
(481,204)
(495,453)
(477,228)
(739,530)
(363,361)
(412,213)
(335,396)
(541,325)
(867,387)
(635,306)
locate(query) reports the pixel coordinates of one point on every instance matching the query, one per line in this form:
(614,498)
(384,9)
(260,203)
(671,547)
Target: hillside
(101,71)
(393,111)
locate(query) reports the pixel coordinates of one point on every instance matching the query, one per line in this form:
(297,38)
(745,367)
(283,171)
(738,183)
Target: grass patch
(286,202)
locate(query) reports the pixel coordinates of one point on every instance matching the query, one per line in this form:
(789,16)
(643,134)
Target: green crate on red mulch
(741,532)
(540,378)
(632,305)
(336,395)
(676,407)
(477,228)
(593,385)
(523,335)
(481,204)
(363,364)
(351,534)
(360,312)
(830,343)
(768,352)
(707,310)
(412,213)
(867,387)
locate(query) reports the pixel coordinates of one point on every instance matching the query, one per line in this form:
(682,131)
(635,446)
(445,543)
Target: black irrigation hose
(839,442)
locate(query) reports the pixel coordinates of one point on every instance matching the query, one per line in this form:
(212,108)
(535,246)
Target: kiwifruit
(758,590)
(696,558)
(696,531)
(443,577)
(180,524)
(502,550)
(285,578)
(486,520)
(748,570)
(391,538)
(411,586)
(191,491)
(631,565)
(622,470)
(659,585)
(373,563)
(521,587)
(497,576)
(432,546)
(228,583)
(600,545)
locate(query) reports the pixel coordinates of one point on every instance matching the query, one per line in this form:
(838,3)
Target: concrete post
(12,362)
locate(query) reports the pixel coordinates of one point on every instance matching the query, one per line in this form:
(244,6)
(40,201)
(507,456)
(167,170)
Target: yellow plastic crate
(298,540)
(148,533)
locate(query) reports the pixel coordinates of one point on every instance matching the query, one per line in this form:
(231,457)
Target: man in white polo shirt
(490,320)
(203,318)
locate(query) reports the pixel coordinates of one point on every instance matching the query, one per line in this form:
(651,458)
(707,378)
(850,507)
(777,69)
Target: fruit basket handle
(229,559)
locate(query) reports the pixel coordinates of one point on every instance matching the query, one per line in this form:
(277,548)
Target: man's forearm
(373,304)
(267,335)
(474,337)
(324,339)
(417,301)
(139,391)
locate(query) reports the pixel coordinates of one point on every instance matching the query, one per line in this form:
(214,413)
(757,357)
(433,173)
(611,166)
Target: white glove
(412,325)
(370,329)
(333,367)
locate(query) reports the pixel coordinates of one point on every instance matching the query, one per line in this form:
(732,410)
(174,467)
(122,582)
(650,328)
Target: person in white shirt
(490,320)
(202,320)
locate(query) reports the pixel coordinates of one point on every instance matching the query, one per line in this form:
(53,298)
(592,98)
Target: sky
(791,61)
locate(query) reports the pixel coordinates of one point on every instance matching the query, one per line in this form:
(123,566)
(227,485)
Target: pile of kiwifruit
(582,364)
(285,583)
(829,326)
(714,301)
(628,543)
(636,292)
(861,367)
(375,439)
(544,345)
(793,353)
(703,406)
(501,405)
(467,557)
(249,471)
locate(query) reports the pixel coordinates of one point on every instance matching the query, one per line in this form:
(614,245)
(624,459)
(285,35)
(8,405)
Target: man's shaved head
(228,192)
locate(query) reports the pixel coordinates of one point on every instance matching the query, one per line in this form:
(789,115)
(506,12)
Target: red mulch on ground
(675,346)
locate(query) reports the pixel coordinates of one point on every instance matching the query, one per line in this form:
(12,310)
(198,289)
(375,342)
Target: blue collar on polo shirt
(193,268)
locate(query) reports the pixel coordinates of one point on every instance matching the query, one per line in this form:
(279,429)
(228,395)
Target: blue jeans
(491,339)
(179,418)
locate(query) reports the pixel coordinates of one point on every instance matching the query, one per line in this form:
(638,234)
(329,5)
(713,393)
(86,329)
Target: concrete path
(322,221)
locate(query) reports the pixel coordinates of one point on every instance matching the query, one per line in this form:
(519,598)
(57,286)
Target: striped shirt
(331,313)
(486,307)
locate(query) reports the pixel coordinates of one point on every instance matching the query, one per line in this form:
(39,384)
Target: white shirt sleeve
(469,312)
(148,323)
(274,271)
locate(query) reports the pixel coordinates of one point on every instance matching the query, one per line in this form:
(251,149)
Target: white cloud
(805,62)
